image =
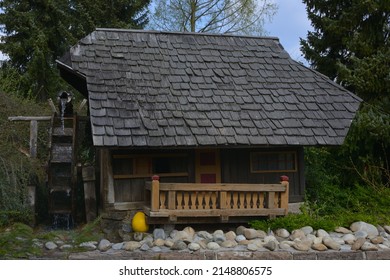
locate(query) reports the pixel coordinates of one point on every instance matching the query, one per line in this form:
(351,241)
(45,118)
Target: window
(171,164)
(140,166)
(273,162)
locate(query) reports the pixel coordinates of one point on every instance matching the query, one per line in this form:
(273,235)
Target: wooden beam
(155,196)
(33,138)
(222,187)
(30,118)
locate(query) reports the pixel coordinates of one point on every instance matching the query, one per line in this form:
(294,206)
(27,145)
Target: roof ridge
(188,33)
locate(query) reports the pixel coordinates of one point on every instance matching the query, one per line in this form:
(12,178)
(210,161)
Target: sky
(289,24)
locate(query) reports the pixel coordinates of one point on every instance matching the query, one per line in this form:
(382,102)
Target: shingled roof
(159,89)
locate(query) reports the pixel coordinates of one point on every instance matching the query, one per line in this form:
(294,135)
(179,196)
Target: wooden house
(219,119)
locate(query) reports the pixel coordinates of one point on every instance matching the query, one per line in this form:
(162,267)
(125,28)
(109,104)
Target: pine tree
(38,32)
(350,44)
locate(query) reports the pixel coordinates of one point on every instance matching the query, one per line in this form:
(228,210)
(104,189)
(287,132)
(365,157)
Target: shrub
(17,170)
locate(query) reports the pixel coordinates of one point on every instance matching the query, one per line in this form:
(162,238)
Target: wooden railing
(224,200)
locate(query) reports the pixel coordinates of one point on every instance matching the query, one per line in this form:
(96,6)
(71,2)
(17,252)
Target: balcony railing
(175,200)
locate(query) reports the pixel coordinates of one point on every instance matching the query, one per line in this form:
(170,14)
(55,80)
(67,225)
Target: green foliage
(17,170)
(349,34)
(331,206)
(17,242)
(213,16)
(336,194)
(89,232)
(350,44)
(294,221)
(39,32)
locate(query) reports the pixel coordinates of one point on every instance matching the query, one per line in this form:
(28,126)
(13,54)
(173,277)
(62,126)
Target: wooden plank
(33,138)
(148,175)
(171,200)
(217,213)
(155,196)
(32,118)
(122,206)
(222,200)
(284,197)
(271,200)
(223,187)
(88,175)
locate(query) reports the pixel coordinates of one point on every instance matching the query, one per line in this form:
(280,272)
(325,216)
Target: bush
(330,201)
(17,170)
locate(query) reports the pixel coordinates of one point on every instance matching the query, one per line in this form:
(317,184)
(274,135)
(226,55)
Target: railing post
(155,196)
(284,196)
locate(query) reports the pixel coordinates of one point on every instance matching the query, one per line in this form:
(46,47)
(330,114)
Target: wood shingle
(161,89)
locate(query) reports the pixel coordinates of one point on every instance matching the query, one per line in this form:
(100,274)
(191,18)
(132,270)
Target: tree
(37,32)
(213,16)
(350,44)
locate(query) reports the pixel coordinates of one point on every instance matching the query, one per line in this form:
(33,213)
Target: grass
(20,241)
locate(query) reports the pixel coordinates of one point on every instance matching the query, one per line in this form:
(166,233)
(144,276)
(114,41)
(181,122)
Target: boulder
(301,246)
(159,233)
(331,243)
(367,246)
(206,235)
(252,247)
(159,242)
(50,245)
(307,230)
(358,244)
(297,234)
(377,240)
(342,230)
(213,246)
(179,245)
(271,245)
(240,238)
(89,245)
(251,233)
(322,233)
(363,226)
(193,246)
(283,233)
(117,246)
(104,245)
(349,238)
(219,236)
(229,244)
(319,247)
(230,235)
(240,230)
(131,245)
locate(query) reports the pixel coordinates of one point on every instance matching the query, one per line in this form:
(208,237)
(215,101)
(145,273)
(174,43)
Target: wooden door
(208,166)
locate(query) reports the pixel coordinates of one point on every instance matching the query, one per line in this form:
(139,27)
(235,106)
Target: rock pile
(359,236)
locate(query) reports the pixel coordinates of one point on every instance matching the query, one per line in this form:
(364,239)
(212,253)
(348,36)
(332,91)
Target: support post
(155,197)
(284,196)
(88,174)
(33,138)
(31,189)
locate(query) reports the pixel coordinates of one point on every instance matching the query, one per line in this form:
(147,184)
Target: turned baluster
(179,196)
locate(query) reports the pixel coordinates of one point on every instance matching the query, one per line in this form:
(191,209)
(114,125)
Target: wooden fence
(175,200)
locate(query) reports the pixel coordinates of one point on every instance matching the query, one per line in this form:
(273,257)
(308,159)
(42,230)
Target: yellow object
(139,223)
